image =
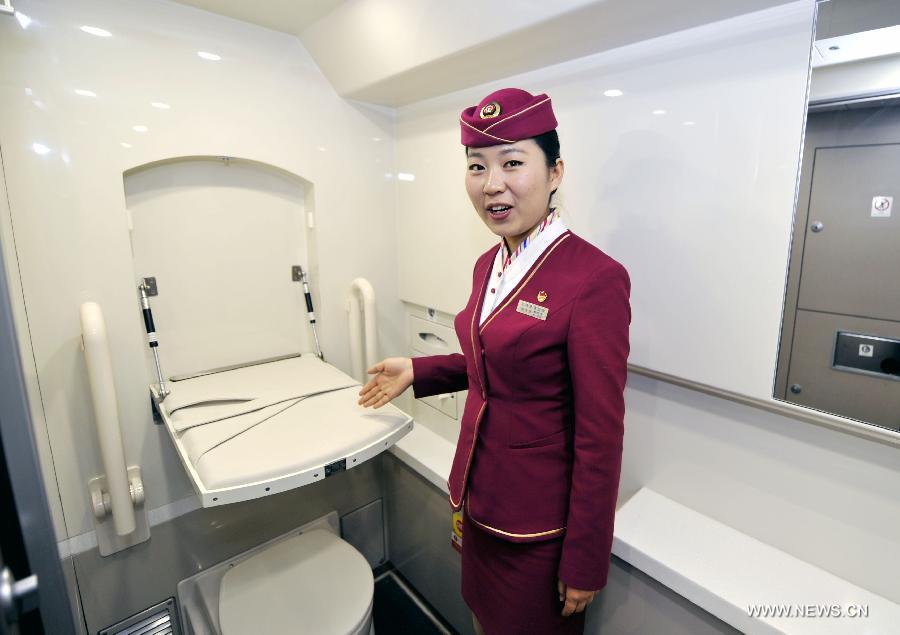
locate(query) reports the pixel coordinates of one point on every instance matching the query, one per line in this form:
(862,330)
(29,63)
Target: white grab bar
(364,288)
(106,413)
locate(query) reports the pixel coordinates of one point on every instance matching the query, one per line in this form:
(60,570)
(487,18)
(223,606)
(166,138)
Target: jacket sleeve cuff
(574,574)
(436,374)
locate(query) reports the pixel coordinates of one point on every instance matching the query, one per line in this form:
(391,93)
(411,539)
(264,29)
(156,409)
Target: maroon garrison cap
(506,116)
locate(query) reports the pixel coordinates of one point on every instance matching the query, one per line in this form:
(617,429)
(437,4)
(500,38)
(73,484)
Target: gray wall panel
(418,516)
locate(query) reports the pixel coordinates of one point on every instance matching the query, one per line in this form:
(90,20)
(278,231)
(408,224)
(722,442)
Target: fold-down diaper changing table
(269,427)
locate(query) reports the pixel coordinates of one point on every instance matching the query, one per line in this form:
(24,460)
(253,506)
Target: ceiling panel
(289,16)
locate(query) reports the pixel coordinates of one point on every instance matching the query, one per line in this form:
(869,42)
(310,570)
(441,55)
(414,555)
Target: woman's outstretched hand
(393,375)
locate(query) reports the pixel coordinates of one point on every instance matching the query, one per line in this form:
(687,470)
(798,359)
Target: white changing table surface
(251,432)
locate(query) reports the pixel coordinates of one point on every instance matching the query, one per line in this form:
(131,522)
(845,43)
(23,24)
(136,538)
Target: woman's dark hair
(549,143)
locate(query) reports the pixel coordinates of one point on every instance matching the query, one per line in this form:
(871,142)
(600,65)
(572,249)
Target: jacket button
(483,396)
(482,350)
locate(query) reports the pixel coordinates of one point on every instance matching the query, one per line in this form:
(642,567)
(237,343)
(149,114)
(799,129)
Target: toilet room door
(33,595)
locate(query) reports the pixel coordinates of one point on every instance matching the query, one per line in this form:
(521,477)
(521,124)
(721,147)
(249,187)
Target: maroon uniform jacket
(540,444)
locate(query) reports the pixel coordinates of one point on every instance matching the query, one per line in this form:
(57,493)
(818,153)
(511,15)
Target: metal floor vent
(157,620)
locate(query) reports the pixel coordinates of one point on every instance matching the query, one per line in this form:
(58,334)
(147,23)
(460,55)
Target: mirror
(840,338)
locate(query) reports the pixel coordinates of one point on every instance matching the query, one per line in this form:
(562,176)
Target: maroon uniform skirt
(511,586)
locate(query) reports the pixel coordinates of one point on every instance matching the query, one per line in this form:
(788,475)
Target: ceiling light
(688,123)
(161,105)
(40,148)
(95,30)
(23,19)
(125,145)
(659,112)
(140,128)
(85,93)
(209,56)
(613,92)
(405,176)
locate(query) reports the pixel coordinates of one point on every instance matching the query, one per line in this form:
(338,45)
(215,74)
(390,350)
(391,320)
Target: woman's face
(514,180)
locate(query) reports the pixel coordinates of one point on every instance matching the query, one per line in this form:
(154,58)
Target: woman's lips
(500,215)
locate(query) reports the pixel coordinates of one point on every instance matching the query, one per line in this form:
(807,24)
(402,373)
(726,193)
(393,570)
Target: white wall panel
(697,202)
(265,101)
(821,495)
(220,237)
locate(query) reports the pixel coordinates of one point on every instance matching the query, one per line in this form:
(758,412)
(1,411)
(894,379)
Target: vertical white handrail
(106,413)
(364,288)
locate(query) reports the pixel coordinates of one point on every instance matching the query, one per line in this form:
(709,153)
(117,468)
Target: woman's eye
(475,167)
(513,163)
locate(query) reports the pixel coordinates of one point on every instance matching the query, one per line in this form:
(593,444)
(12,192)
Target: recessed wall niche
(220,236)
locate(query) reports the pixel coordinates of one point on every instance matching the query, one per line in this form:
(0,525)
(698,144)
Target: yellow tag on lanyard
(456,533)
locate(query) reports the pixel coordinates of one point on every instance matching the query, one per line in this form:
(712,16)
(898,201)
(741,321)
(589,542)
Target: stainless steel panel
(364,529)
(419,541)
(120,585)
(860,396)
(160,619)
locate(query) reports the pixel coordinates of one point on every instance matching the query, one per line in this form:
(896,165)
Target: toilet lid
(314,582)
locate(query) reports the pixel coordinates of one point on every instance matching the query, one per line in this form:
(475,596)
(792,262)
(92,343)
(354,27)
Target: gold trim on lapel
(465,475)
(523,282)
(473,335)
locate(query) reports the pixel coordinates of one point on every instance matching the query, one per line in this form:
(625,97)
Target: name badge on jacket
(533,310)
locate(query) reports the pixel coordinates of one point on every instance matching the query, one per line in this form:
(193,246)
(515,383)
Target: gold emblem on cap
(542,295)
(491,110)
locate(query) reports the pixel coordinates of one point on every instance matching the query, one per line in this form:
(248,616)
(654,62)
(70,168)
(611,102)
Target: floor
(399,609)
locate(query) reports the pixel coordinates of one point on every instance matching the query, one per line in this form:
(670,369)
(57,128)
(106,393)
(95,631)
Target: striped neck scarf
(553,215)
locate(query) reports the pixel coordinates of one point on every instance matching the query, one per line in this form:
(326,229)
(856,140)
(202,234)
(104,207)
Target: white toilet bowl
(307,581)
(311,583)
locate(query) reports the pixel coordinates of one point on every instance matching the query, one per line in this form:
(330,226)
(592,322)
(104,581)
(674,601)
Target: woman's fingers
(378,394)
(384,399)
(377,368)
(369,385)
(576,599)
(369,394)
